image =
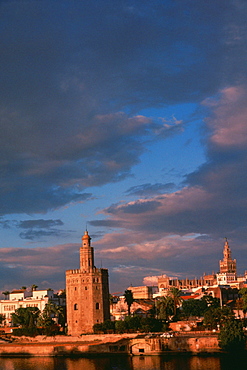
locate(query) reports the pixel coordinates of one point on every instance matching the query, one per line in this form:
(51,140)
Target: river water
(223,362)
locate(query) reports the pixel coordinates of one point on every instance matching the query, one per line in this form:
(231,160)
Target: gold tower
(87,292)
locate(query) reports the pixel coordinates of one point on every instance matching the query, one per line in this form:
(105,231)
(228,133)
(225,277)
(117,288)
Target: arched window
(97,306)
(75,306)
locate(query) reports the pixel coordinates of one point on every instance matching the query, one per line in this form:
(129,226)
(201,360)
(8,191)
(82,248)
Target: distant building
(24,298)
(227,265)
(141,292)
(140,307)
(87,292)
(226,276)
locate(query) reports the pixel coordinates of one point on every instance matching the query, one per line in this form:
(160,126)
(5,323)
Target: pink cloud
(229,119)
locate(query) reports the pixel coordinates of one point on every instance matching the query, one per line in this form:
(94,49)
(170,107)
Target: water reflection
(127,363)
(175,363)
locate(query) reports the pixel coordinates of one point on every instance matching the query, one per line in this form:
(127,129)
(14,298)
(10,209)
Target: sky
(129,119)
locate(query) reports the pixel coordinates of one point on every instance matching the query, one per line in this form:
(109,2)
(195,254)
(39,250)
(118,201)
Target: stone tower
(227,265)
(87,292)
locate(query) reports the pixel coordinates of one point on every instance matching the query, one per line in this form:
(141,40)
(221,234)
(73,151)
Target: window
(97,306)
(75,306)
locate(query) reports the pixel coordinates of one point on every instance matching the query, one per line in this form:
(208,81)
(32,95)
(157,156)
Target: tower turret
(86,254)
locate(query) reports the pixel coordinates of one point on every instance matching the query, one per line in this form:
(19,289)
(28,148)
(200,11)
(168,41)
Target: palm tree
(52,310)
(34,287)
(128,297)
(5,293)
(165,307)
(175,294)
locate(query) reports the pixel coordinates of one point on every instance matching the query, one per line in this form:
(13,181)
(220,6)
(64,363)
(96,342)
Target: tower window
(97,306)
(85,287)
(75,306)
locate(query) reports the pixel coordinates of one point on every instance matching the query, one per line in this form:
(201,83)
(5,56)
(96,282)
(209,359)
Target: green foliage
(215,317)
(193,308)
(2,318)
(98,328)
(231,337)
(121,327)
(148,324)
(105,327)
(164,308)
(25,317)
(32,322)
(210,301)
(50,313)
(108,325)
(133,323)
(28,332)
(175,294)
(243,293)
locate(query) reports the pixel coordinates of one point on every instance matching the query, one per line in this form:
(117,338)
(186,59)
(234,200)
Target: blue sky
(128,117)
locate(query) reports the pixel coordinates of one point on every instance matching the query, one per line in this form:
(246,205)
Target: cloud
(39,224)
(43,266)
(184,230)
(62,124)
(37,229)
(150,189)
(214,199)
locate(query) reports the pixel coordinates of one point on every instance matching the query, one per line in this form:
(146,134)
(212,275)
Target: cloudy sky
(129,118)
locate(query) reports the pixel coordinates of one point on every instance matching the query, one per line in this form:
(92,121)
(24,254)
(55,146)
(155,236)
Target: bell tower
(227,265)
(86,254)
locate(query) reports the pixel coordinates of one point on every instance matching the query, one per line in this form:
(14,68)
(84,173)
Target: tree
(243,293)
(128,297)
(6,293)
(120,326)
(231,337)
(50,311)
(164,307)
(194,308)
(2,318)
(26,317)
(211,301)
(34,287)
(175,294)
(148,324)
(215,317)
(133,323)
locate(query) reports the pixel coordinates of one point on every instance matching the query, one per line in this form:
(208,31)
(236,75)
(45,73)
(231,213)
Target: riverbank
(91,345)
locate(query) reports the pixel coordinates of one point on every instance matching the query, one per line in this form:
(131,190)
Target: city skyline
(127,119)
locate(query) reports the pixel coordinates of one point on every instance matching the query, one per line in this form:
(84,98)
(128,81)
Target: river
(181,362)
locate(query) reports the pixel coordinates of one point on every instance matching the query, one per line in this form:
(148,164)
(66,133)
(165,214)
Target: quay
(99,344)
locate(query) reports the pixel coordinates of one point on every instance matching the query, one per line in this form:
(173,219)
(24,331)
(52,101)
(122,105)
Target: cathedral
(87,292)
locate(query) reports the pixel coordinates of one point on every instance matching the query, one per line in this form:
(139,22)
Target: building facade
(23,298)
(87,292)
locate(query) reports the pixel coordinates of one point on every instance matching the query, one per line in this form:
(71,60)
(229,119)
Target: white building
(22,298)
